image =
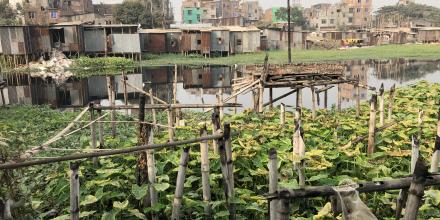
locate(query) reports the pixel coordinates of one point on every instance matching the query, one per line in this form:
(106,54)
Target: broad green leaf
(84,214)
(139,191)
(109,215)
(160,187)
(137,214)
(120,205)
(89,199)
(62,217)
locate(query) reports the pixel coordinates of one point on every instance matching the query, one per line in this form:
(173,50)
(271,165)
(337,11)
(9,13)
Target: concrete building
(251,10)
(346,15)
(405,2)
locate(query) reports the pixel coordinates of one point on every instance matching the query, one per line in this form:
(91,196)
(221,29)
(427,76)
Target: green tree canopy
(8,16)
(296,16)
(134,12)
(411,12)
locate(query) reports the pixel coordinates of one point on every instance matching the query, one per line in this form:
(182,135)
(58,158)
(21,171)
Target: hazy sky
(272,3)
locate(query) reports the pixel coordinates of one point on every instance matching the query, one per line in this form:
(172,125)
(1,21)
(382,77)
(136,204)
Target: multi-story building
(405,2)
(192,15)
(251,10)
(348,14)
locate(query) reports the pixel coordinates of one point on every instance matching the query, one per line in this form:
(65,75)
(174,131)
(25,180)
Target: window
(190,12)
(366,10)
(358,10)
(359,1)
(31,14)
(239,42)
(53,14)
(350,20)
(219,40)
(190,21)
(332,21)
(205,12)
(198,17)
(323,21)
(350,10)
(199,42)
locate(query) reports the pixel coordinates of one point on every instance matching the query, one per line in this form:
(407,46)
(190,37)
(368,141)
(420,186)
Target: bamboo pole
(3,97)
(170,124)
(58,136)
(299,150)
(436,154)
(261,97)
(142,162)
(403,194)
(215,118)
(339,104)
(146,93)
(112,102)
(325,99)
(358,100)
(175,85)
(227,175)
(271,98)
(416,190)
(153,111)
(280,97)
(381,105)
(312,88)
(299,98)
(420,124)
(178,194)
(273,181)
(93,133)
(100,129)
(219,102)
(74,191)
(372,124)
(124,84)
(282,114)
(172,106)
(151,167)
(204,154)
(391,102)
(283,210)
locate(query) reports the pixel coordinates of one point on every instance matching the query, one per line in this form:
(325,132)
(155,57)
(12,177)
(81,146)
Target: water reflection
(200,85)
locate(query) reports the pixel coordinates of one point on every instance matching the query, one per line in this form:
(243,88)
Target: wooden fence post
(100,129)
(416,190)
(372,125)
(282,114)
(178,194)
(403,194)
(151,168)
(339,104)
(112,102)
(93,132)
(271,98)
(391,102)
(299,98)
(170,124)
(299,149)
(74,191)
(215,118)
(381,105)
(141,166)
(420,123)
(325,99)
(273,182)
(283,211)
(436,154)
(358,99)
(124,77)
(175,85)
(225,151)
(312,88)
(153,111)
(204,154)
(261,97)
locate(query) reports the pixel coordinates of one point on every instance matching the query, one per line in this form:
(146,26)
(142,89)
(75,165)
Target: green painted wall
(192,15)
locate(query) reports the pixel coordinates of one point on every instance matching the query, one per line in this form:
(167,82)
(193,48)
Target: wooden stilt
(372,124)
(100,129)
(170,124)
(358,100)
(215,118)
(226,167)
(299,149)
(74,191)
(153,111)
(325,99)
(271,97)
(299,98)
(124,77)
(339,104)
(151,167)
(261,97)
(282,114)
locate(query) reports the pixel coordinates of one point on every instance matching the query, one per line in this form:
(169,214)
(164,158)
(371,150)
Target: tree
(410,12)
(137,12)
(8,16)
(296,16)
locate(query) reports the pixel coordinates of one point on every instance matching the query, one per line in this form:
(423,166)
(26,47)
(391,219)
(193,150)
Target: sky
(274,3)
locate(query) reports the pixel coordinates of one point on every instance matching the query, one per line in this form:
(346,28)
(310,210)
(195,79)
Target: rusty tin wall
(153,42)
(220,40)
(125,43)
(173,42)
(205,47)
(95,40)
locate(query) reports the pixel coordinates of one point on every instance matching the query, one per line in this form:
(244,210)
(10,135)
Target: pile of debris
(56,67)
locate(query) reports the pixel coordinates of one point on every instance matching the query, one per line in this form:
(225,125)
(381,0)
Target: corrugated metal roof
(159,31)
(241,29)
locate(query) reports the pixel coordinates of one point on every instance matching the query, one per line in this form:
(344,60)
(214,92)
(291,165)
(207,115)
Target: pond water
(199,85)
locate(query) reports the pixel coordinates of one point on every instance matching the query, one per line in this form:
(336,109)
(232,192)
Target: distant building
(251,10)
(405,2)
(348,14)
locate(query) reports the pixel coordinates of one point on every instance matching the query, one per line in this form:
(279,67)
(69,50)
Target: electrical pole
(289,46)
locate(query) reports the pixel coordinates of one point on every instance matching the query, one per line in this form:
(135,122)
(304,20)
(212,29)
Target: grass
(409,51)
